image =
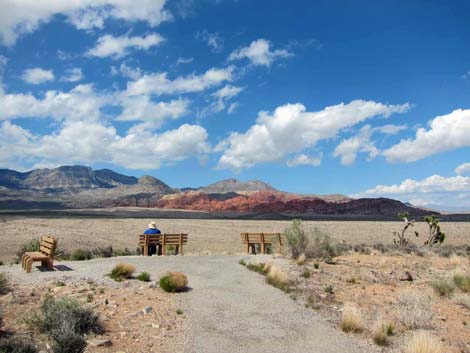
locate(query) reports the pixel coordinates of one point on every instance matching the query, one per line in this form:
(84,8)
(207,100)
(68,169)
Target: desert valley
(234,176)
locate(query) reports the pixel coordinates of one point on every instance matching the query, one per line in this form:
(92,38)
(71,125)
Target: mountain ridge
(83,187)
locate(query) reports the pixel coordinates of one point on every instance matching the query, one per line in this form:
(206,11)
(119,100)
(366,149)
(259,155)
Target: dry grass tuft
(351,320)
(301,260)
(462,282)
(174,282)
(381,331)
(277,278)
(423,342)
(443,288)
(267,267)
(415,310)
(456,260)
(122,271)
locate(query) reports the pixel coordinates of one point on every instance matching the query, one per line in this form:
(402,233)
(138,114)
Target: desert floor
(205,236)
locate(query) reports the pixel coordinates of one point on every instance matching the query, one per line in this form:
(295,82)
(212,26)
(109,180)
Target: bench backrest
(168,238)
(48,246)
(257,238)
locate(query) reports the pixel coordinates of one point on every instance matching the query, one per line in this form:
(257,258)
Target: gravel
(231,309)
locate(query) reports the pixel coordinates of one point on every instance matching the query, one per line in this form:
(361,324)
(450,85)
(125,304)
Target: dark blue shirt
(152,231)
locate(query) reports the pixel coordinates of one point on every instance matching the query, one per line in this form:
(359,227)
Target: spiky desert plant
(435,236)
(400,239)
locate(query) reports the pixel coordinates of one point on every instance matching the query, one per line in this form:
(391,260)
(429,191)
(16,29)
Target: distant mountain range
(82,187)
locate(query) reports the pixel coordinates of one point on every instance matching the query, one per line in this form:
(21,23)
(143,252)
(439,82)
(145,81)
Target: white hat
(152,225)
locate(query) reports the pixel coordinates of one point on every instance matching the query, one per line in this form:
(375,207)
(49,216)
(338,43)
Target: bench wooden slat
(262,239)
(45,254)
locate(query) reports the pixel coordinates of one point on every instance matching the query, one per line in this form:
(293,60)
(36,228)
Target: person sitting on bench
(152,229)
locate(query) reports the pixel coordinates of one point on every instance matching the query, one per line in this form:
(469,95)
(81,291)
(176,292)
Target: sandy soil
(205,236)
(375,285)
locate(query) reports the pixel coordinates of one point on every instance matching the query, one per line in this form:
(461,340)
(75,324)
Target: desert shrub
(323,246)
(443,287)
(31,245)
(16,345)
(126,252)
(306,274)
(58,313)
(316,265)
(301,260)
(277,278)
(67,340)
(257,267)
(423,342)
(122,271)
(463,300)
(414,310)
(82,255)
(144,277)
(4,285)
(105,252)
(1,263)
(329,289)
(296,238)
(462,282)
(242,262)
(351,320)
(381,331)
(179,312)
(351,280)
(174,282)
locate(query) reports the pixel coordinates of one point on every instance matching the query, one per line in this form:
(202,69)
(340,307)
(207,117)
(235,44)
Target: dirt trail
(231,309)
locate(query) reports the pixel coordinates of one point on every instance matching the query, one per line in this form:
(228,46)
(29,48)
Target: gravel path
(231,309)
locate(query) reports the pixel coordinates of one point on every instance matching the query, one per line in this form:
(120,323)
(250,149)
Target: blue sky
(362,98)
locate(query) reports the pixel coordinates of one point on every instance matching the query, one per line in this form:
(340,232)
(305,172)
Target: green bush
(443,287)
(242,262)
(144,277)
(4,285)
(16,345)
(257,267)
(297,239)
(306,274)
(174,282)
(1,263)
(65,312)
(82,255)
(105,252)
(462,282)
(122,271)
(315,244)
(31,245)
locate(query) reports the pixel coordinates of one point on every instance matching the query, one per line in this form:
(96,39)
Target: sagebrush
(122,271)
(174,282)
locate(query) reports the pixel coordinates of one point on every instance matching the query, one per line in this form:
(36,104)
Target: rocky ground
(137,317)
(387,287)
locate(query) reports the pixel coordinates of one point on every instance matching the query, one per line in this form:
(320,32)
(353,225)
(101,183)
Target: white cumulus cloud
(36,75)
(159,83)
(290,129)
(91,142)
(18,18)
(445,192)
(349,148)
(259,53)
(463,169)
(118,47)
(73,75)
(445,133)
(303,159)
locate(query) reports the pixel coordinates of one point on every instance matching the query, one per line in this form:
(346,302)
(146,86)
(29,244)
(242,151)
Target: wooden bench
(264,240)
(161,241)
(45,254)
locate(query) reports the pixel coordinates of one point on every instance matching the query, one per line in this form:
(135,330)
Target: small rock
(147,310)
(155,325)
(99,343)
(408,277)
